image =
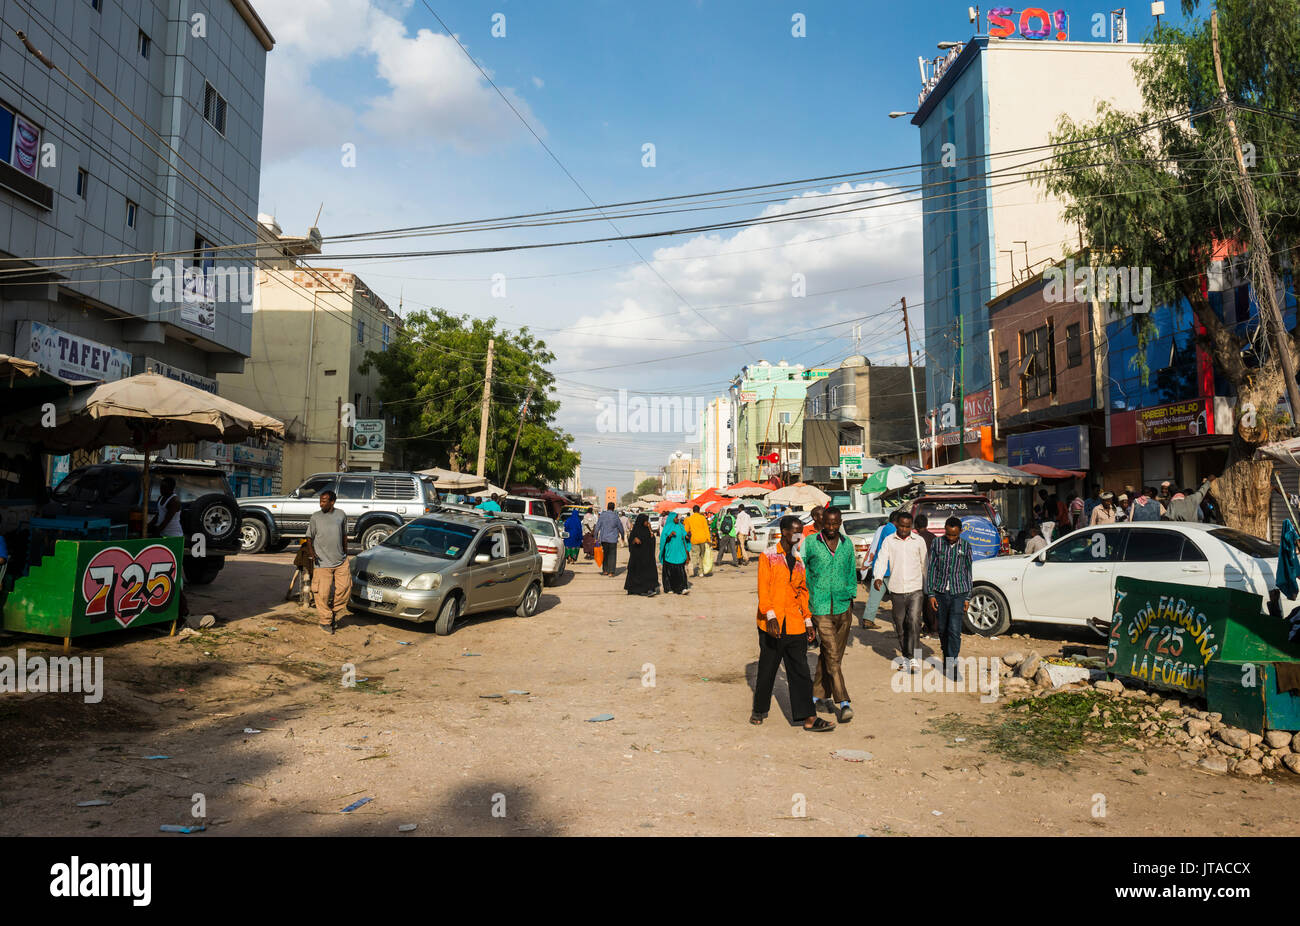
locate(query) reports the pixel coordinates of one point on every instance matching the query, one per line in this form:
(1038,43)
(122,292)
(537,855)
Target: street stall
(87,575)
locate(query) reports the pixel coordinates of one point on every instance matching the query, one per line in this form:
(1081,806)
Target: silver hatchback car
(444,566)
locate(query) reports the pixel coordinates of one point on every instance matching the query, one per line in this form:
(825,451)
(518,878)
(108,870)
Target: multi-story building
(985,226)
(682,475)
(314,328)
(163,159)
(859,405)
(716,447)
(768,401)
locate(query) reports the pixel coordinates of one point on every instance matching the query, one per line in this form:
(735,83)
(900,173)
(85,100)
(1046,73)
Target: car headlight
(425,582)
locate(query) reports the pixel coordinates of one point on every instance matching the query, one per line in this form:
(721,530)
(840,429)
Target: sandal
(819,726)
(756,719)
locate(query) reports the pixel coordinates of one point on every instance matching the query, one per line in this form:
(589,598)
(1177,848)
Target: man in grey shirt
(1186,506)
(331,583)
(609,530)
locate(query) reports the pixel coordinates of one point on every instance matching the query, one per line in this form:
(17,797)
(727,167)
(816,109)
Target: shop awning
(1043,471)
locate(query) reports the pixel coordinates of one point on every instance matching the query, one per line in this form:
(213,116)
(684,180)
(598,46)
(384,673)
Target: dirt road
(418,735)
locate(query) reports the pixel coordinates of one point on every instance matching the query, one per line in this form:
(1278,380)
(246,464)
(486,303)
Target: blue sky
(724,92)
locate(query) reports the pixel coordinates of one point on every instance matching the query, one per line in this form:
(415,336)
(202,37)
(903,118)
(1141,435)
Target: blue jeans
(952,608)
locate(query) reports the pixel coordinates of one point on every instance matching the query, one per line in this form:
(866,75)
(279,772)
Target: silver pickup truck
(375,504)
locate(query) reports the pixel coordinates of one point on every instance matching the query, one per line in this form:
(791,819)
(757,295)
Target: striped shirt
(949,572)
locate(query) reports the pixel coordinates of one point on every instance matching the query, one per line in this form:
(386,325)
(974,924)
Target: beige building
(682,474)
(311,332)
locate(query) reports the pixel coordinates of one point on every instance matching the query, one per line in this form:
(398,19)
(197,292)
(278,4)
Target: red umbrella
(1043,471)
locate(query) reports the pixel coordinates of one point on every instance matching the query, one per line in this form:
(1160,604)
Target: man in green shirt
(832,572)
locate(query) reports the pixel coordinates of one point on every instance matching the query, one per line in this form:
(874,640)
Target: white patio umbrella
(975,472)
(489,490)
(451,480)
(799,495)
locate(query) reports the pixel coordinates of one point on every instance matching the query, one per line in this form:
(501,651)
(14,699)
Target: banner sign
(983,536)
(69,356)
(368,434)
(181,376)
(1180,419)
(1064,448)
(978,408)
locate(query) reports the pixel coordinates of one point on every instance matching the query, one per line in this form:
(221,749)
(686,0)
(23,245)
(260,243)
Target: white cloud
(434,92)
(538,82)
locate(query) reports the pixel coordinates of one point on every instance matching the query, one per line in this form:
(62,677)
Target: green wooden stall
(90,587)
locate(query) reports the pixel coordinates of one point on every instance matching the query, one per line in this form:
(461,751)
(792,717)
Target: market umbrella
(883,480)
(799,495)
(745,489)
(149,411)
(490,490)
(651,498)
(10,367)
(451,480)
(975,472)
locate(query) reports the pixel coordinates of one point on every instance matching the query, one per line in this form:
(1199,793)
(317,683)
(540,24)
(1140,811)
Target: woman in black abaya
(642,577)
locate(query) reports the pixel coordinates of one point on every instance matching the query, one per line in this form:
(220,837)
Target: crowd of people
(1054,517)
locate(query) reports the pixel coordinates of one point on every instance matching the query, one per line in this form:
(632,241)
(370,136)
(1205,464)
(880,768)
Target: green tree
(431,379)
(1155,189)
(650,486)
(627,498)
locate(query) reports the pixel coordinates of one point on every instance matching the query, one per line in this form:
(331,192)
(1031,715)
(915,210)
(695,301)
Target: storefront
(1067,448)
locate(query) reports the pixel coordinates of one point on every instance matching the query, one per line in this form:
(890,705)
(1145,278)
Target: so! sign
(1034,23)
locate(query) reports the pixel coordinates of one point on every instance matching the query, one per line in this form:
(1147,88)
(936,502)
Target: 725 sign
(119,586)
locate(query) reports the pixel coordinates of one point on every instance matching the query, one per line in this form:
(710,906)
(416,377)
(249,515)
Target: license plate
(374,594)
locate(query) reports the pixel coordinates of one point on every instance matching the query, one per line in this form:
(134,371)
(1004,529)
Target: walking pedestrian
(1104,513)
(1147,507)
(744,532)
(876,591)
(832,575)
(815,524)
(727,537)
(167,523)
(674,551)
(609,530)
(902,557)
(1124,509)
(929,621)
(784,628)
(697,529)
(1076,507)
(642,577)
(627,528)
(331,581)
(948,585)
(572,536)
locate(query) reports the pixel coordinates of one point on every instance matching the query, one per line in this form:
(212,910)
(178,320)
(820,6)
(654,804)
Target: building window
(1036,380)
(384,337)
(1004,369)
(1073,346)
(131,210)
(96,5)
(214,108)
(846,394)
(20,141)
(83,180)
(361,331)
(356,404)
(143,43)
(784,417)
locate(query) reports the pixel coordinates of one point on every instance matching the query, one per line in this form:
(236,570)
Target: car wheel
(201,571)
(548,581)
(447,616)
(374,535)
(252,536)
(216,517)
(988,614)
(528,605)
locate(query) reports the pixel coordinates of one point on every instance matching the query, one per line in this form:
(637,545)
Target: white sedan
(549,537)
(1072,581)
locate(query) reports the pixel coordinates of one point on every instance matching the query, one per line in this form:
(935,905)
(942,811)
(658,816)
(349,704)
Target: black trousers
(609,558)
(791,649)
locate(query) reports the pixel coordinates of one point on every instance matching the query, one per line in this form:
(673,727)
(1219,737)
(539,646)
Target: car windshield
(939,510)
(78,487)
(1246,543)
(433,538)
(541,527)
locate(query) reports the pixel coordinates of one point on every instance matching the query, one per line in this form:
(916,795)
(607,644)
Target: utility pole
(911,372)
(338,438)
(523,413)
(1263,275)
(487,401)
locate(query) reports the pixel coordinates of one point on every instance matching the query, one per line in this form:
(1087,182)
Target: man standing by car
(902,557)
(609,530)
(744,532)
(331,583)
(167,523)
(948,585)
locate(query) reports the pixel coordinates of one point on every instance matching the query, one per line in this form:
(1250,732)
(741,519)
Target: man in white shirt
(903,557)
(744,528)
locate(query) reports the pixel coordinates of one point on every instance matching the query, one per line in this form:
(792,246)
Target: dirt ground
(420,738)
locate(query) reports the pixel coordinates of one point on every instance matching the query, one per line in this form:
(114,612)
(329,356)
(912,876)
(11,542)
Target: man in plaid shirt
(948,585)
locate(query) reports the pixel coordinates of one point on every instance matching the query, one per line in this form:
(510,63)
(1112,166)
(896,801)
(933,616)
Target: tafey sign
(69,356)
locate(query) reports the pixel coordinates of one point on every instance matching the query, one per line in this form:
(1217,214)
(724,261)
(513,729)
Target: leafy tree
(1155,189)
(649,486)
(627,498)
(431,379)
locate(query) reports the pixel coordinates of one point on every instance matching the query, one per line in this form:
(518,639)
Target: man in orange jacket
(784,629)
